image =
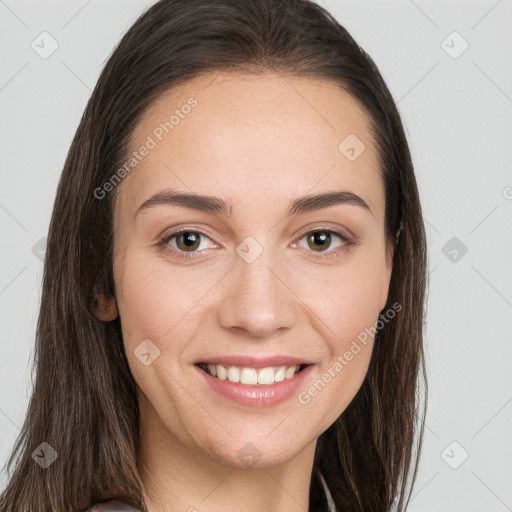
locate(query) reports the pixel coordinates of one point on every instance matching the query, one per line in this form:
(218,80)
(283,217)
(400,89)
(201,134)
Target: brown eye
(323,243)
(188,240)
(187,243)
(319,240)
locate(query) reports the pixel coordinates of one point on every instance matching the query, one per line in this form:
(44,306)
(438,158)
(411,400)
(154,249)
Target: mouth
(250,376)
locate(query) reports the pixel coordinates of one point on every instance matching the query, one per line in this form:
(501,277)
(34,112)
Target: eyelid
(333,229)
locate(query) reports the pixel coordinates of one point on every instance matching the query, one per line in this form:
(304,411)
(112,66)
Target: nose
(258,299)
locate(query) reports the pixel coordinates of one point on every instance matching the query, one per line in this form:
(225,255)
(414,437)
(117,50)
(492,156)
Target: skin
(258,141)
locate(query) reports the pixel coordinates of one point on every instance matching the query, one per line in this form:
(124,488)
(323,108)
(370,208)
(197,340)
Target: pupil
(319,237)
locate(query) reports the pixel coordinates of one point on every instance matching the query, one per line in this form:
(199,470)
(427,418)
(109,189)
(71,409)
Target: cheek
(155,304)
(150,301)
(159,301)
(349,315)
(348,309)
(348,300)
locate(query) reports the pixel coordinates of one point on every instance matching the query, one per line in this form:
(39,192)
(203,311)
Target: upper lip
(254,361)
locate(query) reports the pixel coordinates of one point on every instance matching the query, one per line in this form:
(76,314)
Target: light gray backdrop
(448,65)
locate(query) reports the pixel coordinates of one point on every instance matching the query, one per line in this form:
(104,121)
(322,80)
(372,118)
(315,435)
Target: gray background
(457,110)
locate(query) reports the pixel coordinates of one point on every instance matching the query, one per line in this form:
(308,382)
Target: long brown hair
(84,397)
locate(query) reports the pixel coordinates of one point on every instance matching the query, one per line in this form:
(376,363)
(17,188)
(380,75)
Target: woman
(234,278)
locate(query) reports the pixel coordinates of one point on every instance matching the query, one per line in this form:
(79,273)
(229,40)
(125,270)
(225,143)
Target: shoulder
(113,505)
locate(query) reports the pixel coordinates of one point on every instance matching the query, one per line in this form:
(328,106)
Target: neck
(181,476)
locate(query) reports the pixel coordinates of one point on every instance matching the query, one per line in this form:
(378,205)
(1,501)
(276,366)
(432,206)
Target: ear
(105,308)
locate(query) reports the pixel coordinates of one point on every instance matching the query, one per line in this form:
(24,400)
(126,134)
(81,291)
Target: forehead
(254,138)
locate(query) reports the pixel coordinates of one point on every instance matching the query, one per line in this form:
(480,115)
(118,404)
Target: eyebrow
(220,207)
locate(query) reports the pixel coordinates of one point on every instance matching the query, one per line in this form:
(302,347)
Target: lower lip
(257,395)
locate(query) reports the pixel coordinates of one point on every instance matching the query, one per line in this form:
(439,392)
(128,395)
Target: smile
(257,386)
(252,376)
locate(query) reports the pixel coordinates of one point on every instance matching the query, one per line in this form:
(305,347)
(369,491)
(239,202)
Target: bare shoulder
(113,505)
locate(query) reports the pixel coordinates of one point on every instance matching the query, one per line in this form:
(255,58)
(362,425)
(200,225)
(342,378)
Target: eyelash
(335,253)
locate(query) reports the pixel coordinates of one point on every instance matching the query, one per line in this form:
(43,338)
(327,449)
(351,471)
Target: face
(254,276)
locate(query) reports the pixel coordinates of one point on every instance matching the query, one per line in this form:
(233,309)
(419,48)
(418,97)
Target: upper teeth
(246,375)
